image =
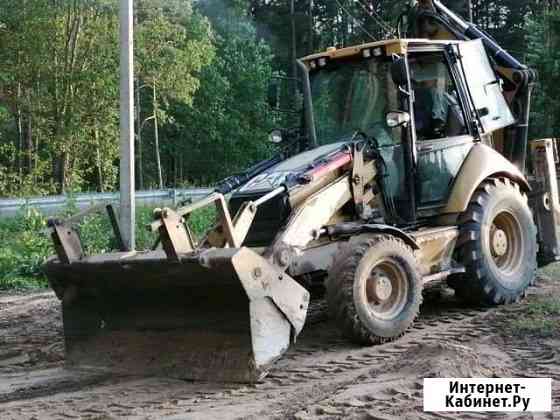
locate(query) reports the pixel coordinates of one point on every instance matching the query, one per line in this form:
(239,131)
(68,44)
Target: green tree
(544,56)
(227,125)
(59,86)
(58,82)
(173,45)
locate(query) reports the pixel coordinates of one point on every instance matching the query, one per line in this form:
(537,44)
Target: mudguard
(482,162)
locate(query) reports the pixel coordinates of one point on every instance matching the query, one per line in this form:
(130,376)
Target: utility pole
(127,185)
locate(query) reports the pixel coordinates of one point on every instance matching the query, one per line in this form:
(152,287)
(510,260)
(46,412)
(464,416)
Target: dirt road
(322,377)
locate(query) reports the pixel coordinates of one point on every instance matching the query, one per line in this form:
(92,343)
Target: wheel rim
(506,243)
(386,289)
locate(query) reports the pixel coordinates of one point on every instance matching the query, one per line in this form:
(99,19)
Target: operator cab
(444,112)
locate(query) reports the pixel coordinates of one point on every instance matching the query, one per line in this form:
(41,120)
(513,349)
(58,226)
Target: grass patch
(541,319)
(24,250)
(26,245)
(552,271)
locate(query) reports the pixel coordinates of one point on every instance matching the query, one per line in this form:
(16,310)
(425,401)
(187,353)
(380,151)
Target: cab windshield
(354,96)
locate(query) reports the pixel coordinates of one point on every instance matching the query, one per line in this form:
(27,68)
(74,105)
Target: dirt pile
(395,391)
(449,360)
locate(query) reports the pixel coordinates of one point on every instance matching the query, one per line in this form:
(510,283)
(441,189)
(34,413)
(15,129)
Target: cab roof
(390,47)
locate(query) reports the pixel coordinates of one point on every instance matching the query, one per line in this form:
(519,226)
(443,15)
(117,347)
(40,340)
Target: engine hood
(275,176)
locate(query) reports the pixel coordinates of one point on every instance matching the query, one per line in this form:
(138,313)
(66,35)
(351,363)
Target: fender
(482,162)
(353,230)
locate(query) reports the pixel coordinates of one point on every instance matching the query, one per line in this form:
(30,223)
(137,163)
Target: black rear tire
(497,245)
(374,290)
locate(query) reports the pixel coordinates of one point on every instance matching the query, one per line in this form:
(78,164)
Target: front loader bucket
(222,315)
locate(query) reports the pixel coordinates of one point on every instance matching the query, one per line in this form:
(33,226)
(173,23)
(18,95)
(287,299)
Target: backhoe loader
(412,166)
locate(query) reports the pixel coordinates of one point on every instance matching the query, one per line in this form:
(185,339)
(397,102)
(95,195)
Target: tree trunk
(36,157)
(20,144)
(29,144)
(344,22)
(138,108)
(60,166)
(310,46)
(100,183)
(173,163)
(156,138)
(469,7)
(294,43)
(181,167)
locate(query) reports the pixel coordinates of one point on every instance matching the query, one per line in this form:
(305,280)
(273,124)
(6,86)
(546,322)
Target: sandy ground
(322,377)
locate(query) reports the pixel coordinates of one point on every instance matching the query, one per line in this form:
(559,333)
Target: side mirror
(275,137)
(273,95)
(399,72)
(398,119)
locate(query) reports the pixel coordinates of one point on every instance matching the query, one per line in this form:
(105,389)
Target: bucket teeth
(226,321)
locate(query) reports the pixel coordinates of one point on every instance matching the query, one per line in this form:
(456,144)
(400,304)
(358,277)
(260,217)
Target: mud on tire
(374,290)
(497,245)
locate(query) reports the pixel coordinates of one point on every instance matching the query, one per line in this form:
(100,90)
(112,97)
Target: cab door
(439,162)
(491,108)
(443,138)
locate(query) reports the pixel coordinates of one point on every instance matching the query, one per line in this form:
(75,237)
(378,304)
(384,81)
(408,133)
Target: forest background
(202,71)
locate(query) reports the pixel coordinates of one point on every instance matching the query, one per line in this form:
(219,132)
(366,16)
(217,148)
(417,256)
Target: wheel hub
(499,243)
(380,288)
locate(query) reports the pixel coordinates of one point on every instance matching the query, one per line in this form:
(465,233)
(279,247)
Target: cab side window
(437,109)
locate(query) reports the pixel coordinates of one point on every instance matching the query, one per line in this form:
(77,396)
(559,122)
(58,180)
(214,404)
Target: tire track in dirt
(301,385)
(380,395)
(321,360)
(31,331)
(16,387)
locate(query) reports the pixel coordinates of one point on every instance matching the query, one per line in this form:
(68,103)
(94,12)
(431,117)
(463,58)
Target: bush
(25,248)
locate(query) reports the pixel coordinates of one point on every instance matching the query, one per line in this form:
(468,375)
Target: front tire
(497,245)
(374,290)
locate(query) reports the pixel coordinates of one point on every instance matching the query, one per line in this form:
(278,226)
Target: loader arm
(319,193)
(200,310)
(319,209)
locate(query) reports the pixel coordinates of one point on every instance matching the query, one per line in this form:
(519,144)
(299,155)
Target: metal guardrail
(52,205)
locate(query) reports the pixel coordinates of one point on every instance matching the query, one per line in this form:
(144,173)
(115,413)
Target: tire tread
(476,285)
(340,290)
